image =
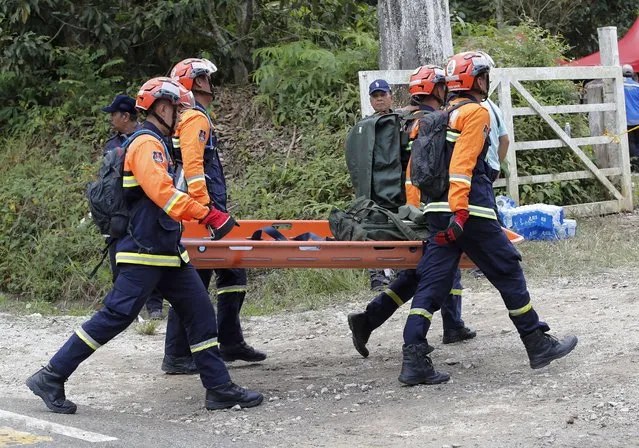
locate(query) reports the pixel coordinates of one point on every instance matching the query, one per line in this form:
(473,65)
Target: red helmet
(424,79)
(187,100)
(161,88)
(463,68)
(187,70)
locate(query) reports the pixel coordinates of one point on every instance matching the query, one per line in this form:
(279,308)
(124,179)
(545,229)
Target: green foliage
(307,186)
(302,82)
(527,45)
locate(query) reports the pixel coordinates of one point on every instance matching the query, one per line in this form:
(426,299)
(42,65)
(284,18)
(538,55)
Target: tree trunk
(499,13)
(413,33)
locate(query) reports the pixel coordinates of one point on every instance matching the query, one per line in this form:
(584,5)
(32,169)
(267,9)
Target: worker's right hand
(221,223)
(454,230)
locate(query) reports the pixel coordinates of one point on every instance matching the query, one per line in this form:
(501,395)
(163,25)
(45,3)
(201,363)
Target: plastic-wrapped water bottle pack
(535,221)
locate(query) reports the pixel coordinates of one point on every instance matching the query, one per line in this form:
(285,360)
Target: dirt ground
(320,392)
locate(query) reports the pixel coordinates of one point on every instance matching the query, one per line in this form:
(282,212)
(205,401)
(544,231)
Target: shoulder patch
(158,157)
(202,135)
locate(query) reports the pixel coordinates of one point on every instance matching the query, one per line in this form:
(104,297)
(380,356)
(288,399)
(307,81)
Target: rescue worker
(631,94)
(124,121)
(150,256)
(463,219)
(196,152)
(427,86)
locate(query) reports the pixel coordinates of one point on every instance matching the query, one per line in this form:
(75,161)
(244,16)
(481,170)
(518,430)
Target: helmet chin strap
(171,127)
(205,92)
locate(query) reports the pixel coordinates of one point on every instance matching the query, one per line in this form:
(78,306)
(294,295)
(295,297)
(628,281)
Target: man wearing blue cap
(381,96)
(124,120)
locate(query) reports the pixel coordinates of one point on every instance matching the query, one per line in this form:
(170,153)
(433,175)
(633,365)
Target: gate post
(615,122)
(506,106)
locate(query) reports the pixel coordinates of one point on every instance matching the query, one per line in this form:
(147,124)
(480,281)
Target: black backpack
(106,194)
(364,220)
(430,153)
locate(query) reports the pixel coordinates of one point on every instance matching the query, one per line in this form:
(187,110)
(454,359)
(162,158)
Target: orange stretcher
(236,250)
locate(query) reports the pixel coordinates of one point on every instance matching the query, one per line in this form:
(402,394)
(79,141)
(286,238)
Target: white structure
(613,107)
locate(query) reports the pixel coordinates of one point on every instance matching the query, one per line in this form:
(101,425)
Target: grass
(601,244)
(148,327)
(301,289)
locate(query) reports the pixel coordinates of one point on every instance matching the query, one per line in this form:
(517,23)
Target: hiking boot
(179,365)
(361,329)
(417,368)
(49,385)
(156,315)
(543,348)
(229,394)
(241,351)
(458,334)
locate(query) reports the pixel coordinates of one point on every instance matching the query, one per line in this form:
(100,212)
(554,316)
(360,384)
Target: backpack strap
(136,134)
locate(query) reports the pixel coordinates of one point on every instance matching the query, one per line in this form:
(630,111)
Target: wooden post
(506,106)
(615,122)
(609,51)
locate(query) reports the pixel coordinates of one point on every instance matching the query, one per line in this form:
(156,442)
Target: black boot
(458,334)
(229,394)
(179,365)
(417,368)
(241,351)
(543,348)
(361,329)
(49,385)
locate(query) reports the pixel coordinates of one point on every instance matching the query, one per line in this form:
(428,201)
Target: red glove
(219,223)
(454,230)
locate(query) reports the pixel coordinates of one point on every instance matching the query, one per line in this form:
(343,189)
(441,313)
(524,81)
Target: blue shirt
(497,129)
(631,91)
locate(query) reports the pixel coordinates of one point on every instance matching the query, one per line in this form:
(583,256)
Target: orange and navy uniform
(157,206)
(190,139)
(195,147)
(470,187)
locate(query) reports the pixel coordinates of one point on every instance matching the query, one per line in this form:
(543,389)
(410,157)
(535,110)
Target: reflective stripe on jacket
(157,206)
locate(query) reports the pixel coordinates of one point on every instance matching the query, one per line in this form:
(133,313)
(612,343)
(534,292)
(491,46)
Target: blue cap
(378,84)
(121,103)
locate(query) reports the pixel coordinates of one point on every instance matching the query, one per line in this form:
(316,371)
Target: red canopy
(628,51)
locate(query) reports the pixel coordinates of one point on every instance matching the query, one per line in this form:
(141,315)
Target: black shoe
(543,348)
(458,334)
(417,368)
(49,385)
(361,329)
(229,394)
(179,365)
(241,351)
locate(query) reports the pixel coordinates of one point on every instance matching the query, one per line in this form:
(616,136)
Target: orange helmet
(187,70)
(463,68)
(187,100)
(161,88)
(424,79)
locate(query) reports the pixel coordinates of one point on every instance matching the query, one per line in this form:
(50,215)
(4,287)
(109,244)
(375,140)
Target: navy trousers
(489,248)
(402,289)
(231,290)
(189,300)
(155,300)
